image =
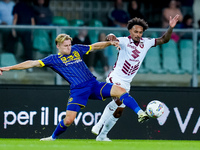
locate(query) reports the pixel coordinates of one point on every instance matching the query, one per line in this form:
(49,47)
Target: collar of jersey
(131,40)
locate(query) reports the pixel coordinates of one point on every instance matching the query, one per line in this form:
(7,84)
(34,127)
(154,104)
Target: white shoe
(103,139)
(47,139)
(143,117)
(95,129)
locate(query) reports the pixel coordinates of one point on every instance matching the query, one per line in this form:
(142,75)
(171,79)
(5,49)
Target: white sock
(108,111)
(110,122)
(140,111)
(122,105)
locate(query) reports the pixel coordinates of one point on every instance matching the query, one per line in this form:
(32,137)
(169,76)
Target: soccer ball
(155,109)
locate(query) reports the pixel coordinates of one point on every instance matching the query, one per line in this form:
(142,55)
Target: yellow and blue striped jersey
(71,67)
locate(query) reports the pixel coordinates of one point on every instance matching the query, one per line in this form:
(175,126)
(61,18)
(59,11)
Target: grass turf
(88,144)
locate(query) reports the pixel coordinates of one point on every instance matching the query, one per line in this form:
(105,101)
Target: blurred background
(28,29)
(169,73)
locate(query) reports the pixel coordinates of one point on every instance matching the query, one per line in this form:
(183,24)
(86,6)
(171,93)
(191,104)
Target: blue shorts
(91,89)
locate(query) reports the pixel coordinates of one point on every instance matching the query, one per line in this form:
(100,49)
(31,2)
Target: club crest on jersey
(141,44)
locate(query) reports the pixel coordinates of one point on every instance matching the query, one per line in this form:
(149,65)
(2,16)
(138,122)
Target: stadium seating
(170,57)
(198,51)
(93,34)
(7,59)
(152,60)
(111,53)
(186,54)
(60,21)
(52,39)
(95,23)
(41,41)
(117,33)
(154,35)
(75,23)
(142,69)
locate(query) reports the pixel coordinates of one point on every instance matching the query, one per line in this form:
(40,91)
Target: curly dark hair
(137,21)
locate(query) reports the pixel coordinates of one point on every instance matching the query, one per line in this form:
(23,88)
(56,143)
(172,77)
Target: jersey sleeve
(47,61)
(153,42)
(121,42)
(83,49)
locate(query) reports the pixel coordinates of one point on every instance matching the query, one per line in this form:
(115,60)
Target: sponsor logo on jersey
(131,46)
(135,53)
(73,57)
(70,99)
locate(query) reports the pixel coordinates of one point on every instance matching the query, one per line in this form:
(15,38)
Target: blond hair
(61,38)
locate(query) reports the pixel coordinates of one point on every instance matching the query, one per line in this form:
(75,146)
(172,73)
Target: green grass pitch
(88,144)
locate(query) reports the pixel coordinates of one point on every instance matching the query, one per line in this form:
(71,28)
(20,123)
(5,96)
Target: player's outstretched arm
(102,45)
(167,35)
(21,66)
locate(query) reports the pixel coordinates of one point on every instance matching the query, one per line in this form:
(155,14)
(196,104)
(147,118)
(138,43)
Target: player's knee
(118,91)
(122,90)
(118,112)
(68,121)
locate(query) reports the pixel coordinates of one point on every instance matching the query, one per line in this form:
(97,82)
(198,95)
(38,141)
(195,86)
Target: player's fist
(116,44)
(111,37)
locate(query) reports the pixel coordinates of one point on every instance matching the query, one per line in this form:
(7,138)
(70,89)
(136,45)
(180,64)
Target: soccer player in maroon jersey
(130,57)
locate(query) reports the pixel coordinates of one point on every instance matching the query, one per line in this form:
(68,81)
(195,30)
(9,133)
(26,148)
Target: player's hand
(4,69)
(173,22)
(111,37)
(116,44)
